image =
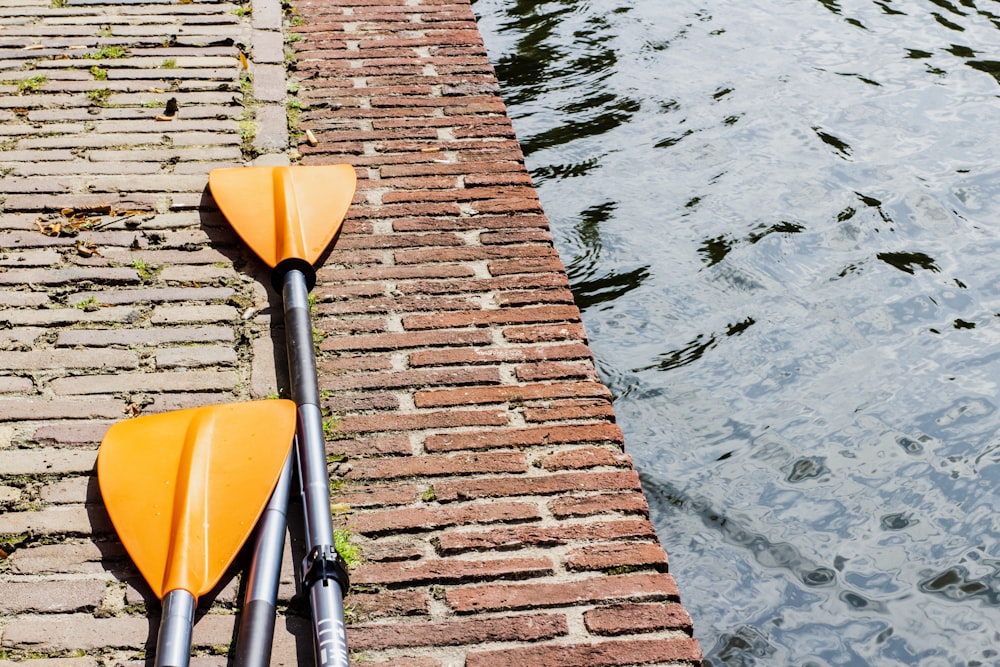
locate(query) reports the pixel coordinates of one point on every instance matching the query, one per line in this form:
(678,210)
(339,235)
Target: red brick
(395,548)
(349,363)
(584,457)
(380,444)
(398,240)
(518,236)
(537,485)
(556,370)
(396,341)
(543,536)
(541,265)
(628,503)
(569,410)
(531,627)
(602,654)
(626,619)
(389,211)
(531,297)
(368,606)
(478,222)
(424,420)
(341,291)
(492,317)
(404,662)
(505,597)
(547,281)
(466,169)
(495,355)
(374,522)
(470,253)
(436,465)
(450,570)
(391,380)
(544,333)
(384,305)
(462,194)
(376,495)
(618,554)
(394,271)
(525,437)
(343,325)
(433,398)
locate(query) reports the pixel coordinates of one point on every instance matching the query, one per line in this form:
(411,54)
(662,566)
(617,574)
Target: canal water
(781,220)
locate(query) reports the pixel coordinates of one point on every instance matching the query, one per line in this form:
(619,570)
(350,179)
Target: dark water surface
(781,219)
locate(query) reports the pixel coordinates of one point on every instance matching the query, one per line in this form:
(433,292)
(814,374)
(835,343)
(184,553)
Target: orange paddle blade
(184,489)
(285,212)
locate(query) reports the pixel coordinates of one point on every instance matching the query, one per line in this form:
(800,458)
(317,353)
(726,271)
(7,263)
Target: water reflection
(780,221)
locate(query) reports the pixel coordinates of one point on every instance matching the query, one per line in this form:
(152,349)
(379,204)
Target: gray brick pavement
(121,289)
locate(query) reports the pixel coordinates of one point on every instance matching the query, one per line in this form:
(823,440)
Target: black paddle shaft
(324,573)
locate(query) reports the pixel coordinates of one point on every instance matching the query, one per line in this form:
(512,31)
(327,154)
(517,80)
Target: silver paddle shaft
(256,630)
(323,573)
(173,644)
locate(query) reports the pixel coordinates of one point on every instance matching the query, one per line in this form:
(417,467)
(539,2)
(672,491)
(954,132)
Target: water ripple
(780,221)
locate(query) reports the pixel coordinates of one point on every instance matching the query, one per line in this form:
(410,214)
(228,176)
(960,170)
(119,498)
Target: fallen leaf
(49,229)
(132,410)
(86,249)
(340,508)
(243,61)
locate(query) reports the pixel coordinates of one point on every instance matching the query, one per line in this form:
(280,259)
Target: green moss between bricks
(99,97)
(109,52)
(29,85)
(350,552)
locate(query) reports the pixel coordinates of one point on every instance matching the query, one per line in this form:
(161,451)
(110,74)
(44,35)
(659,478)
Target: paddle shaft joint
(322,564)
(173,645)
(293,264)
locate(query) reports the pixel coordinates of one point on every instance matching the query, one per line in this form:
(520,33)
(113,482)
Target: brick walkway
(478,464)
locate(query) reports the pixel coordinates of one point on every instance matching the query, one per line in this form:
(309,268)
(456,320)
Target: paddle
(184,490)
(288,216)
